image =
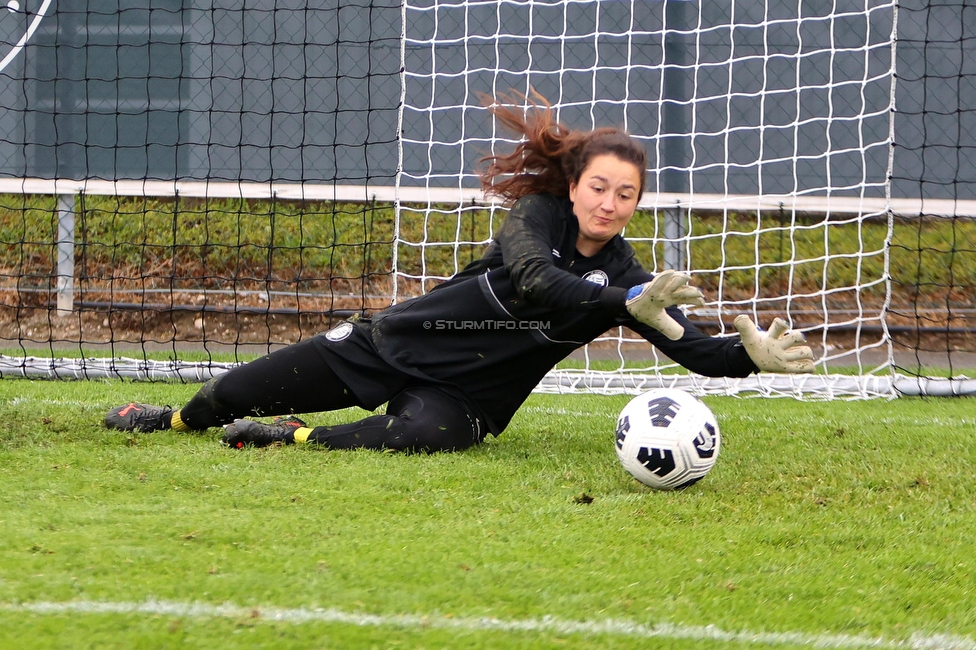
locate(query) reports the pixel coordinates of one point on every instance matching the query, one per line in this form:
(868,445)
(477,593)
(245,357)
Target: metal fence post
(66,254)
(674,233)
(676,124)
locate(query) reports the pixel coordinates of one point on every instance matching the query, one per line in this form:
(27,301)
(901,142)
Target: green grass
(820,518)
(185,355)
(195,240)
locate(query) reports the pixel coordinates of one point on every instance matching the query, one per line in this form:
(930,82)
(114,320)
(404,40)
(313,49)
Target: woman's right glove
(778,350)
(647,302)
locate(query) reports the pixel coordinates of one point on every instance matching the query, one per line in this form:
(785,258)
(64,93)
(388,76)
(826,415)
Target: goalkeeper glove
(778,350)
(647,302)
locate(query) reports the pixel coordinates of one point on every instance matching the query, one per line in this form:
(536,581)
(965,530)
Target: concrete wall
(288,90)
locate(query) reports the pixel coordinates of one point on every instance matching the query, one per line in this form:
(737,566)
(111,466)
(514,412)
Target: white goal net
(769,129)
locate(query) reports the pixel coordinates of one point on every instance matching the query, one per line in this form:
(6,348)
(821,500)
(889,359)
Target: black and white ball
(667,438)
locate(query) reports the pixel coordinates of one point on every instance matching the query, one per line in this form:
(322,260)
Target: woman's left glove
(647,302)
(778,350)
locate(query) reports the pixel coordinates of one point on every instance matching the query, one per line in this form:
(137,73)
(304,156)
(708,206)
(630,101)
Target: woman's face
(604,200)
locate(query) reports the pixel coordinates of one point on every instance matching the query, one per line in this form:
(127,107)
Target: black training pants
(298,379)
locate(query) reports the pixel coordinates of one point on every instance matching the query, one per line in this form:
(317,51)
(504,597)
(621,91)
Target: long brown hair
(551,156)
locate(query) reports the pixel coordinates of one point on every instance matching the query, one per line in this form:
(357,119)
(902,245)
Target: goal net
(184,186)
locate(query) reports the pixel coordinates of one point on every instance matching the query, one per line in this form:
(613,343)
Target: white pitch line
(19,401)
(561,411)
(546,624)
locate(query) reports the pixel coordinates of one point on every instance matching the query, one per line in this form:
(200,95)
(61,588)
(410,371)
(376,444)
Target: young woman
(456,363)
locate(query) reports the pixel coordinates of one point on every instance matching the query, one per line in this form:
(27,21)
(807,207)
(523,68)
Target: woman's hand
(778,350)
(647,302)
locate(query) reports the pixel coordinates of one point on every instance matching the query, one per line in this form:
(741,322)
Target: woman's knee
(429,420)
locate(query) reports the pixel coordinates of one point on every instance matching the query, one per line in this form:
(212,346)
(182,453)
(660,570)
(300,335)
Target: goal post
(211,182)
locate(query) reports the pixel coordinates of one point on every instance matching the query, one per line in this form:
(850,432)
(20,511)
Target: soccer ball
(667,438)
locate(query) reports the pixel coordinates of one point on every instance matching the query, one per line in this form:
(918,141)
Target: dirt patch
(929,330)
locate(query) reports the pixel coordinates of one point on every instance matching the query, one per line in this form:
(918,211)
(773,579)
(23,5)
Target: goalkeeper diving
(455,364)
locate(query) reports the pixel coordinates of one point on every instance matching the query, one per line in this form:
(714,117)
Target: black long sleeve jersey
(497,327)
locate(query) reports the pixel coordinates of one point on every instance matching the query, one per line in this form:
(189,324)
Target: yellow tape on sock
(302,434)
(177,424)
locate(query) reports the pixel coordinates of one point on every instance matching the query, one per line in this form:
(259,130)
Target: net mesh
(768,128)
(187,185)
